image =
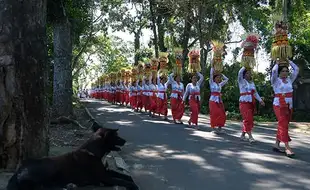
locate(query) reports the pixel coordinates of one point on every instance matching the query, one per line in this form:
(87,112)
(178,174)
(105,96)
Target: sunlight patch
(267,184)
(198,160)
(226,152)
(205,135)
(123,122)
(256,168)
(194,158)
(147,153)
(159,122)
(261,157)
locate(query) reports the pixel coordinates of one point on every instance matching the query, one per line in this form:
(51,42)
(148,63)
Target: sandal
(242,138)
(290,155)
(252,140)
(277,149)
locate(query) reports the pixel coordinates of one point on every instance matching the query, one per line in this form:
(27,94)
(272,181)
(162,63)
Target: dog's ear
(115,130)
(95,126)
(107,134)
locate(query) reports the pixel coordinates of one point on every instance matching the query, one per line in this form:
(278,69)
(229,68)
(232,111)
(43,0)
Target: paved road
(165,156)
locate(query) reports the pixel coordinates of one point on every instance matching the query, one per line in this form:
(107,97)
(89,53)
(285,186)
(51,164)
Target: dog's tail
(13,183)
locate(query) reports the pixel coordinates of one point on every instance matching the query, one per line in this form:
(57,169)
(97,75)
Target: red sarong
(162,106)
(177,108)
(109,97)
(139,102)
(217,114)
(121,96)
(117,96)
(127,99)
(153,103)
(133,102)
(113,97)
(247,110)
(284,115)
(145,102)
(194,107)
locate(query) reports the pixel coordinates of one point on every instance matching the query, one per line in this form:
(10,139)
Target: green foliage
(207,21)
(79,13)
(299,20)
(144,54)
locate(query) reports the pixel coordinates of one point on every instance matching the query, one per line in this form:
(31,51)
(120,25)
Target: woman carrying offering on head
(216,106)
(247,102)
(162,83)
(153,87)
(193,93)
(193,88)
(162,100)
(248,92)
(283,102)
(176,98)
(282,85)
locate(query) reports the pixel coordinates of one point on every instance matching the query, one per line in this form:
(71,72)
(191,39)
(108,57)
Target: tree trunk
(23,64)
(185,39)
(154,28)
(284,10)
(62,86)
(137,46)
(161,34)
(203,52)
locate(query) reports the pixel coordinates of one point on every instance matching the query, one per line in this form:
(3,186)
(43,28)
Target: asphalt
(166,156)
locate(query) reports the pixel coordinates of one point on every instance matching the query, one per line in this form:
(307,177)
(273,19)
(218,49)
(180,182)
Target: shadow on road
(163,155)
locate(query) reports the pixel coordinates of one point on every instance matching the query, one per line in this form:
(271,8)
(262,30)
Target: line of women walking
(150,94)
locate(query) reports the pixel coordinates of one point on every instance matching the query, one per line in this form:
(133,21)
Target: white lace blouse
(132,91)
(283,86)
(146,88)
(161,88)
(214,87)
(246,88)
(193,89)
(177,88)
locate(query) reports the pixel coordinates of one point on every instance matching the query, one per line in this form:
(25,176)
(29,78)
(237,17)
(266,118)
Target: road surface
(165,156)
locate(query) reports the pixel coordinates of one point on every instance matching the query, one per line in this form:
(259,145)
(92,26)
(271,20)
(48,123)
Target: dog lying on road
(81,167)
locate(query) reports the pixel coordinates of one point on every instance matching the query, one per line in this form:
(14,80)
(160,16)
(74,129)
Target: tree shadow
(163,156)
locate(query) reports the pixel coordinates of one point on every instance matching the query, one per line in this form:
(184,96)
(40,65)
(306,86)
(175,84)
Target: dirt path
(64,138)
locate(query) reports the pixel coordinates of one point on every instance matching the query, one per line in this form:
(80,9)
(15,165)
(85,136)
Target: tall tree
(131,16)
(70,20)
(62,84)
(23,64)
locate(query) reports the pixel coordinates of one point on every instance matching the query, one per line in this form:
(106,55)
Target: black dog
(81,167)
